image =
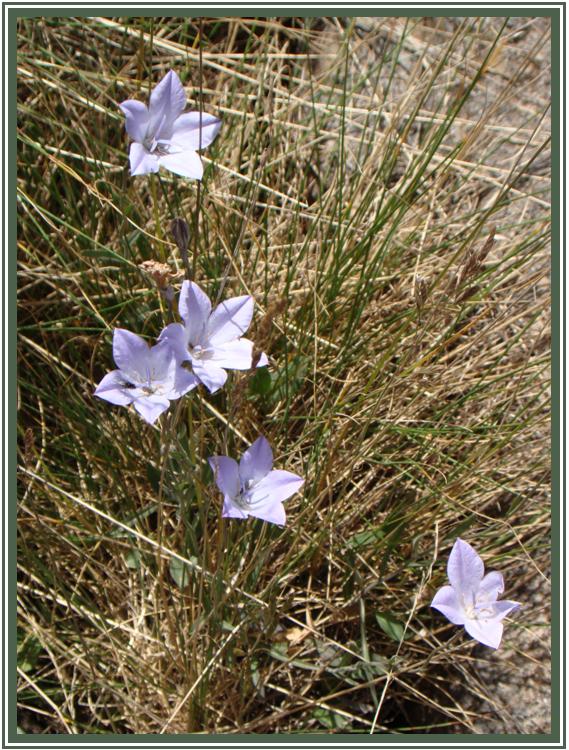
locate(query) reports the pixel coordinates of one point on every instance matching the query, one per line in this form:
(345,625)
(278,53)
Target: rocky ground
(518,677)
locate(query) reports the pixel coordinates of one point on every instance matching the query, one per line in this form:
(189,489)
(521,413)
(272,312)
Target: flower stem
(156,212)
(200,108)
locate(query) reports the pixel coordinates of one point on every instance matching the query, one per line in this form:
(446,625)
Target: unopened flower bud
(181,233)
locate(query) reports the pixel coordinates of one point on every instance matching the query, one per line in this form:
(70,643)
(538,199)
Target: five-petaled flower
(471,598)
(212,340)
(163,136)
(148,377)
(252,487)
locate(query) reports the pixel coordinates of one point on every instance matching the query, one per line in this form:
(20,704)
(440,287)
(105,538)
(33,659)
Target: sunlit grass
(354,190)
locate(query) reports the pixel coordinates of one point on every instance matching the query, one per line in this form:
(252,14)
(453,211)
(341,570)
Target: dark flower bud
(181,233)
(421,291)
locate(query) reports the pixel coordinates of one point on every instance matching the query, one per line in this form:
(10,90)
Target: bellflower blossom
(212,340)
(148,377)
(252,487)
(471,598)
(163,136)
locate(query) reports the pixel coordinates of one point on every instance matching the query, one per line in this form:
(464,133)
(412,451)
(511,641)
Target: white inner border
(7,437)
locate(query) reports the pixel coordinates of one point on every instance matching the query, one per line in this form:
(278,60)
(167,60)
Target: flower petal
(233,355)
(448,603)
(236,355)
(502,609)
(184,381)
(211,376)
(276,486)
(464,568)
(162,363)
(257,461)
(487,632)
(132,355)
(273,512)
(113,389)
(137,118)
(186,131)
(176,336)
(194,308)
(226,475)
(167,102)
(141,160)
(230,510)
(151,407)
(263,359)
(184,163)
(491,586)
(230,320)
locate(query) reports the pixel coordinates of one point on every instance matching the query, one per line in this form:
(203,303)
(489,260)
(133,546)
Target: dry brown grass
(383,192)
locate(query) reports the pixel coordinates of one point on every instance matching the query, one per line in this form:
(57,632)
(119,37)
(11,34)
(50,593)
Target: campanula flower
(252,487)
(148,377)
(163,136)
(212,341)
(471,598)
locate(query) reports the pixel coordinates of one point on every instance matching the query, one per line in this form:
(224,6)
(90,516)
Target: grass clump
(382,190)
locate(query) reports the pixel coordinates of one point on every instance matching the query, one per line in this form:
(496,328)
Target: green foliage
(391,626)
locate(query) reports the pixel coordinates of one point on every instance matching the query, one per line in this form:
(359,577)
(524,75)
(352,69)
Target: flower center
(151,389)
(243,500)
(469,605)
(156,147)
(478,611)
(483,613)
(470,612)
(200,352)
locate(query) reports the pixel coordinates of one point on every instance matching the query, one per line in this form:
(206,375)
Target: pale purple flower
(148,377)
(212,341)
(252,487)
(163,136)
(471,598)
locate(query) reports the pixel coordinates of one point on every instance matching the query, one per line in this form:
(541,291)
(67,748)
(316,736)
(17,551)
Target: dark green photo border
(10,738)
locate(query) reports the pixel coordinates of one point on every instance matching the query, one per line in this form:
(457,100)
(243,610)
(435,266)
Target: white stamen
(244,500)
(200,352)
